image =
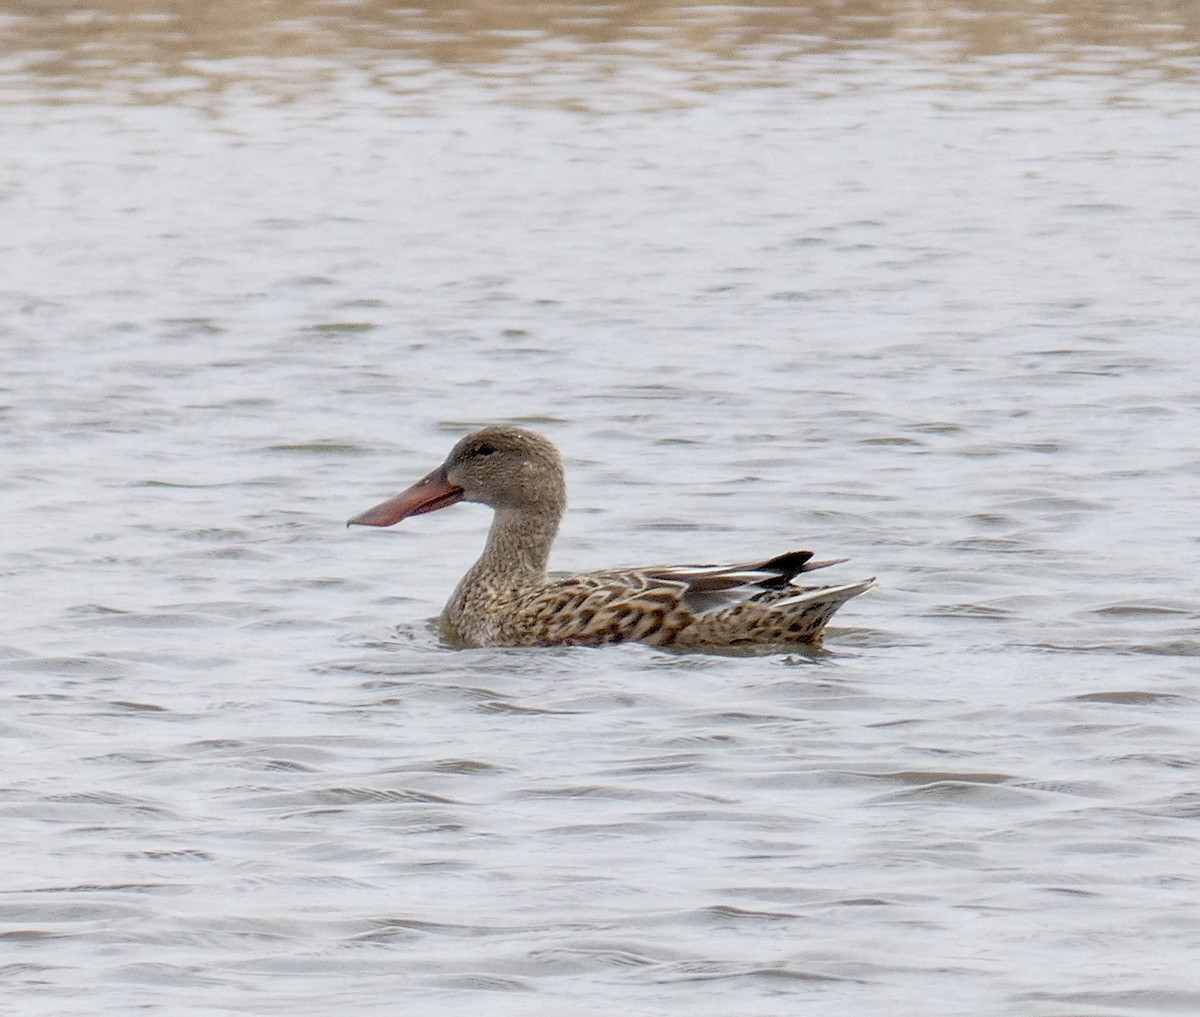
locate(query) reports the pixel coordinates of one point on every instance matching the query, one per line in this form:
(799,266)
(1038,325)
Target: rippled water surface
(917,286)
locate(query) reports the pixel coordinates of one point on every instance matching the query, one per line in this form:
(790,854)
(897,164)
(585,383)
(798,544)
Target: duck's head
(508,468)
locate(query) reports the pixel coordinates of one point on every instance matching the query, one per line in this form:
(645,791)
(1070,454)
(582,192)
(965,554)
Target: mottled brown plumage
(507,597)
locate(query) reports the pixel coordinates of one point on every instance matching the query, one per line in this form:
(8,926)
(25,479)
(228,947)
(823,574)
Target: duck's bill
(427,495)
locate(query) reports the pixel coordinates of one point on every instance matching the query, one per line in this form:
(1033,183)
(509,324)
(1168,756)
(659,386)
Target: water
(918,291)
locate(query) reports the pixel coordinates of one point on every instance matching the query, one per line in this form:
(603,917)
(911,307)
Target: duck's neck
(518,548)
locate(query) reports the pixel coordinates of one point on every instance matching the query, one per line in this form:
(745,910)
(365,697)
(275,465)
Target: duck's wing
(675,604)
(774,573)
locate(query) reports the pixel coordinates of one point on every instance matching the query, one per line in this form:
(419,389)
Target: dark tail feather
(789,565)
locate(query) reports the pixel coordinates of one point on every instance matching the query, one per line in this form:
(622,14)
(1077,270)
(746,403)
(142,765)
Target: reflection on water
(201,45)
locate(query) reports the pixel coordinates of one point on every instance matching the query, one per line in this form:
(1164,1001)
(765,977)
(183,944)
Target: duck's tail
(787,616)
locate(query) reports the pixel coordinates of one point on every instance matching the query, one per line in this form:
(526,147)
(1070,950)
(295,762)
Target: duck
(508,598)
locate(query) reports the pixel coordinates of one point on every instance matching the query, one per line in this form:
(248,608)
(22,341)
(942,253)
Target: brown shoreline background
(209,43)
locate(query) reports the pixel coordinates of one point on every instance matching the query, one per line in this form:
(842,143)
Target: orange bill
(427,495)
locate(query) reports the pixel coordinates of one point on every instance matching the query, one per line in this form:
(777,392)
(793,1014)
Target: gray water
(917,290)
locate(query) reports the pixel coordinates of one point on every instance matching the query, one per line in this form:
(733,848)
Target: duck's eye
(486,450)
